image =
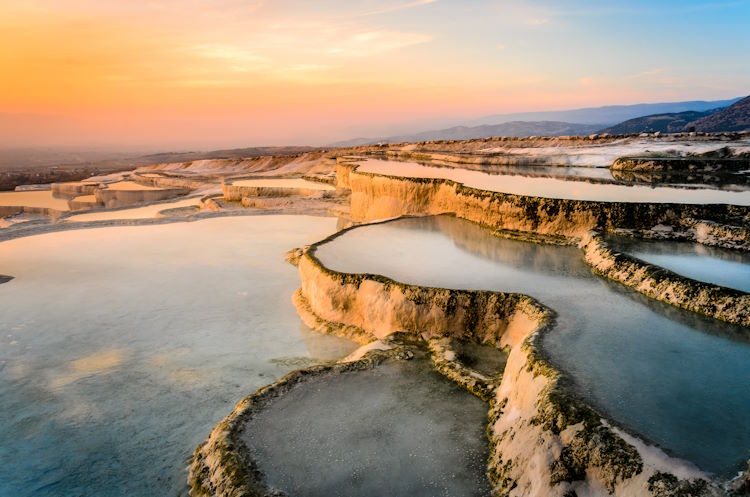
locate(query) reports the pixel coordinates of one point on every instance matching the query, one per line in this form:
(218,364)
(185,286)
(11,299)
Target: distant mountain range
(607,115)
(566,122)
(664,123)
(736,117)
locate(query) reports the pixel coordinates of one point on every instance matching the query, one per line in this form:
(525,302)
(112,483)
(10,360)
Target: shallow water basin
(399,429)
(43,199)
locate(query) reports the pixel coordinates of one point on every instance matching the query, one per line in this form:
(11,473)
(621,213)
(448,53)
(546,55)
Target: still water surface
(120,348)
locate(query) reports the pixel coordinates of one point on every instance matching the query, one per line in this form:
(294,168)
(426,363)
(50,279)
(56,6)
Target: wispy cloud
(374,42)
(234,53)
(648,73)
(396,7)
(537,21)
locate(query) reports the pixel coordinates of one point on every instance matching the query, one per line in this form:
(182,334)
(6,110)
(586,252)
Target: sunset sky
(207,74)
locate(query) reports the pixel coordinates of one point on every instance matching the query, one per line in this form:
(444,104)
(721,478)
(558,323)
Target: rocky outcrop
(5,278)
(726,304)
(377,196)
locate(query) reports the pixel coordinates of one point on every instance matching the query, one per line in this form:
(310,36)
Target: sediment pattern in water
(397,429)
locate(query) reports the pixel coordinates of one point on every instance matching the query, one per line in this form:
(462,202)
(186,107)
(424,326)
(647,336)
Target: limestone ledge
(726,304)
(446,362)
(327,179)
(192,182)
(719,235)
(11,210)
(484,160)
(376,196)
(543,440)
(236,193)
(211,202)
(75,188)
(686,164)
(122,198)
(693,230)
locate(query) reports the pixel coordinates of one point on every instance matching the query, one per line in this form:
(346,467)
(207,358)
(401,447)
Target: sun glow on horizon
(239,72)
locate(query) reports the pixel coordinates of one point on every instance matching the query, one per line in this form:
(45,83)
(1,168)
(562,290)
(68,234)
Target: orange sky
(201,73)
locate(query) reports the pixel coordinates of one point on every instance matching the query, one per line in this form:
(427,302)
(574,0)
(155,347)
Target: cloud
(397,7)
(235,53)
(537,21)
(367,43)
(658,75)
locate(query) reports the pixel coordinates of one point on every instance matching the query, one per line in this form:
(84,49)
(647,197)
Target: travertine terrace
(544,439)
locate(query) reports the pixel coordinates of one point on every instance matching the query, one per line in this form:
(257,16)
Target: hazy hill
(515,128)
(665,123)
(550,123)
(736,117)
(607,115)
